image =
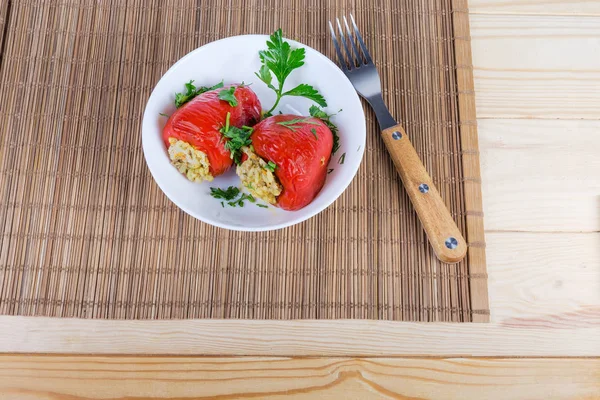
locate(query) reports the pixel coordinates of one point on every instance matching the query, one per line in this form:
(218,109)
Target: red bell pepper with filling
(288,164)
(195,145)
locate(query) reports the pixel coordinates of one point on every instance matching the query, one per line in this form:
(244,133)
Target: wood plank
(544,279)
(561,336)
(43,377)
(540,175)
(576,7)
(536,66)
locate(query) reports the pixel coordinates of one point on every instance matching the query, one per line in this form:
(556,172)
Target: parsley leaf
(231,196)
(295,123)
(280,60)
(342,158)
(309,92)
(264,74)
(228,194)
(238,138)
(316,112)
(229,96)
(240,202)
(279,56)
(192,91)
(261,205)
(314,132)
(164,115)
(271,166)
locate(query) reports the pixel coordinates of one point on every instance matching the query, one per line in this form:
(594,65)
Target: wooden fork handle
(444,236)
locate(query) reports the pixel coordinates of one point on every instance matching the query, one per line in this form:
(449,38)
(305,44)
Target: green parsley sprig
(240,202)
(227,194)
(192,91)
(231,196)
(238,138)
(280,60)
(316,112)
(294,124)
(229,96)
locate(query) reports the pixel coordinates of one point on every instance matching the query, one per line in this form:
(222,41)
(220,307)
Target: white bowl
(235,60)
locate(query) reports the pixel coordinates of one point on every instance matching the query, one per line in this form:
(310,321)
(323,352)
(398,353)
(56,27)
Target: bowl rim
(293,221)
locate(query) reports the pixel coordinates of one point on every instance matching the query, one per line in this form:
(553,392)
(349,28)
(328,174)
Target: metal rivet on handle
(451,243)
(396,135)
(423,188)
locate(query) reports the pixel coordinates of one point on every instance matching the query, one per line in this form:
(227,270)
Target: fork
(444,236)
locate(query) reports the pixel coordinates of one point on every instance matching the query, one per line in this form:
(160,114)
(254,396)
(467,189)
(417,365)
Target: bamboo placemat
(87,233)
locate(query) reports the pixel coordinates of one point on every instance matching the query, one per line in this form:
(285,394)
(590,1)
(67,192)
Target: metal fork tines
(360,69)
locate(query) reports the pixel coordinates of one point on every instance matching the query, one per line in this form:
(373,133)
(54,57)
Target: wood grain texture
(576,334)
(540,175)
(544,279)
(424,196)
(536,66)
(536,7)
(79,378)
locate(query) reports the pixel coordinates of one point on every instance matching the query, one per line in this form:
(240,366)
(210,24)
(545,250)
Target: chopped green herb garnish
(342,158)
(271,166)
(229,96)
(330,170)
(238,138)
(280,60)
(314,132)
(261,205)
(316,112)
(240,202)
(228,194)
(295,123)
(249,186)
(192,91)
(164,115)
(231,196)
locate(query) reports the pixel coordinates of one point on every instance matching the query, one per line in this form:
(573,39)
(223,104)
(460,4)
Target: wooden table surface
(537,77)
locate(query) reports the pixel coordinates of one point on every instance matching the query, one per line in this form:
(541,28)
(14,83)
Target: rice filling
(260,181)
(189,161)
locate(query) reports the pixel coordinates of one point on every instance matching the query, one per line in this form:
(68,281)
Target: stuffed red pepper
(287,162)
(192,134)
